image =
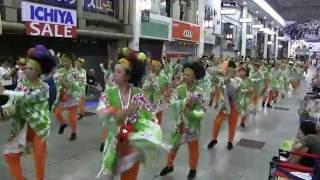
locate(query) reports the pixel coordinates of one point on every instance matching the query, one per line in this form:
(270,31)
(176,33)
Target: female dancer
(230,89)
(128,117)
(68,88)
(189,105)
(82,82)
(30,118)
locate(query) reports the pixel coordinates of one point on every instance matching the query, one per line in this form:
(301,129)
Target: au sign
(44,20)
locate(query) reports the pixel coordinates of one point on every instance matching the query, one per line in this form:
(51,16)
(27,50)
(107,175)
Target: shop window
(184,9)
(165,8)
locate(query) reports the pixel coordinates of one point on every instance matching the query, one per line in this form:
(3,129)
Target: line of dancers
(138,90)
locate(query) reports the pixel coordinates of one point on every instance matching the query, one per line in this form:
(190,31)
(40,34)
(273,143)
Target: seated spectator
(308,143)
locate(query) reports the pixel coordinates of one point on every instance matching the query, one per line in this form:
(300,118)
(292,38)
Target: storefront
(90,32)
(154,34)
(186,37)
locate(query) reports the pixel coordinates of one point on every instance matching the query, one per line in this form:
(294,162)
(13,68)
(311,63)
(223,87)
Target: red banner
(50,30)
(185,31)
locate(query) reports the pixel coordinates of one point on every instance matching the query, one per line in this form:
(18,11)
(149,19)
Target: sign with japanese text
(99,6)
(145,16)
(71,4)
(44,20)
(185,31)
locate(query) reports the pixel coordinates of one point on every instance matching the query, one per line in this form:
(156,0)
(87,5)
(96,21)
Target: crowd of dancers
(137,91)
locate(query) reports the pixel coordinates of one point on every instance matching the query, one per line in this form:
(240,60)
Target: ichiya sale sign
(44,20)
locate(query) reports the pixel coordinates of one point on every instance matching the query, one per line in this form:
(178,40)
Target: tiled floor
(80,160)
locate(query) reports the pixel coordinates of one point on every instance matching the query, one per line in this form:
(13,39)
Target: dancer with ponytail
(30,115)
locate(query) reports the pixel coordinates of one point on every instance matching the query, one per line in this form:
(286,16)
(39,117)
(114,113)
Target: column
(135,21)
(201,9)
(244,32)
(265,44)
(272,46)
(276,48)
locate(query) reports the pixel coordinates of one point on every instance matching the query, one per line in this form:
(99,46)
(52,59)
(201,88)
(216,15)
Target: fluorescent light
(280,38)
(266,7)
(257,26)
(264,17)
(265,30)
(269,42)
(257,12)
(280,46)
(228,12)
(246,20)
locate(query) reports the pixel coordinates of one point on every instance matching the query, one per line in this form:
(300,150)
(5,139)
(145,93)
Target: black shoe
(243,125)
(212,143)
(216,106)
(101,147)
(230,146)
(165,171)
(192,174)
(283,96)
(263,105)
(80,117)
(73,137)
(269,106)
(275,101)
(61,129)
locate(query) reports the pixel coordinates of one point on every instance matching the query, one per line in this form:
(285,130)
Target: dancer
(30,115)
(189,105)
(68,87)
(155,86)
(82,84)
(128,116)
(227,107)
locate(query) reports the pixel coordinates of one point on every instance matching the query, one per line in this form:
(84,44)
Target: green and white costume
(30,104)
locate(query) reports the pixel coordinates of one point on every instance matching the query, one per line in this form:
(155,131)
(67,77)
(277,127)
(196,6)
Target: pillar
(135,21)
(276,42)
(265,44)
(200,46)
(244,32)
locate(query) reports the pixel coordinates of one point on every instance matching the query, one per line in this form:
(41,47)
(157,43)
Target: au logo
(187,33)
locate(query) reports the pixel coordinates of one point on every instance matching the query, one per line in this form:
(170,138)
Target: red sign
(50,30)
(185,31)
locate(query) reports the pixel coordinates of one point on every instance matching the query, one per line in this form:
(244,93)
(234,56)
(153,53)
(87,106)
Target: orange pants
(193,147)
(159,117)
(82,106)
(232,123)
(132,173)
(72,116)
(104,134)
(217,95)
(255,99)
(39,148)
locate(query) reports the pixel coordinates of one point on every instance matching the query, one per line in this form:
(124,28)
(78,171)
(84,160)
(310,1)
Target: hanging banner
(44,20)
(99,6)
(70,4)
(303,30)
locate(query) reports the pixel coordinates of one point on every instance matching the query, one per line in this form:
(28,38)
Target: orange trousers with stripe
(132,173)
(82,106)
(232,123)
(72,116)
(39,148)
(193,147)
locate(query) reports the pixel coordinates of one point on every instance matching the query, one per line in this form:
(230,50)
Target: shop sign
(209,38)
(99,6)
(44,20)
(185,31)
(71,4)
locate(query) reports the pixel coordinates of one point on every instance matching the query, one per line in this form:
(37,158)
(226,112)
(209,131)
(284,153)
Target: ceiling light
(257,26)
(266,7)
(264,17)
(257,12)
